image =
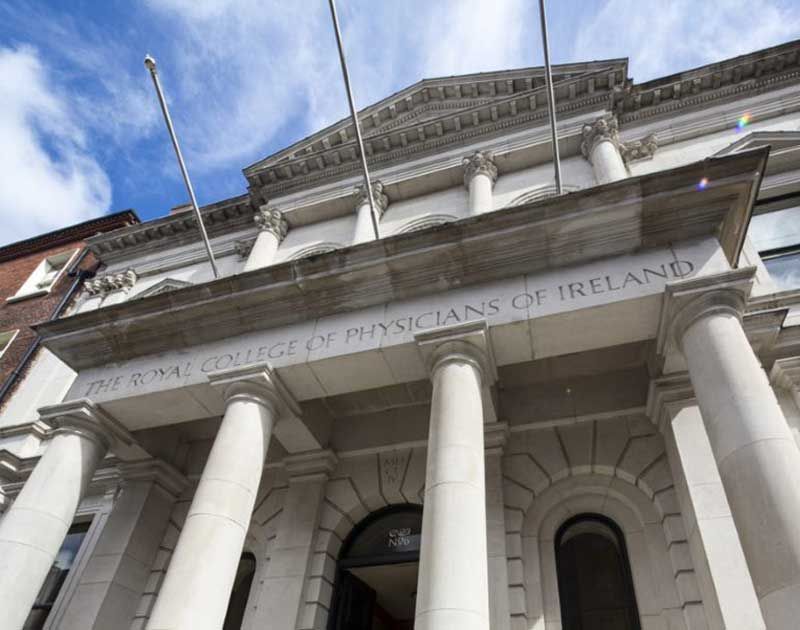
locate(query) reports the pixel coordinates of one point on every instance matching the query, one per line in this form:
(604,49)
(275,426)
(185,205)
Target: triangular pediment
(436,108)
(166,285)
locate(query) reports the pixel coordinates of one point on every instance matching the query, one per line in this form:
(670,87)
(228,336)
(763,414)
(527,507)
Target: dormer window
(44,276)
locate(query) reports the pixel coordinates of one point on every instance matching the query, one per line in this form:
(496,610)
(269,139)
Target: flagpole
(150,63)
(551,105)
(353,114)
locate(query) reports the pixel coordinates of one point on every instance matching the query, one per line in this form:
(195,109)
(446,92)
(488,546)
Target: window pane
(785,270)
(55,578)
(775,230)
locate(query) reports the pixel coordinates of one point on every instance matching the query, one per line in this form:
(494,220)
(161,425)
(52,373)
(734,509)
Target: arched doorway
(376,577)
(594,576)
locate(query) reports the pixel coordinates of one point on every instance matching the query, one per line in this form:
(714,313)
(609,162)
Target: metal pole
(360,141)
(551,105)
(150,63)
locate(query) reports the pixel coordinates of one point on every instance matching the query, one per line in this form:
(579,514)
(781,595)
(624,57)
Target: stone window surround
(6,339)
(28,289)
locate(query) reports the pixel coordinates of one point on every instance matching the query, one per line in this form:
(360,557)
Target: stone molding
(479,163)
(686,301)
(463,343)
(256,383)
(102,285)
(311,466)
(159,472)
(243,247)
(785,373)
(604,128)
(639,149)
(379,198)
(495,436)
(668,395)
(82,417)
(269,219)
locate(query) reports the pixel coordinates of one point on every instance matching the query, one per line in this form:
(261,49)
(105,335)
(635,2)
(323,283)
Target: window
(5,340)
(55,578)
(776,236)
(44,276)
(594,576)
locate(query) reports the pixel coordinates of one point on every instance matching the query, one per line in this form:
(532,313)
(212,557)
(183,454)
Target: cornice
(637,213)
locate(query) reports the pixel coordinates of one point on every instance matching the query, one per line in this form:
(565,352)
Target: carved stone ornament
(101,285)
(479,163)
(271,220)
(243,247)
(380,200)
(639,149)
(604,128)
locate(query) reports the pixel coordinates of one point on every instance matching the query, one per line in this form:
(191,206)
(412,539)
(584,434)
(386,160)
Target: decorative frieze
(639,149)
(271,220)
(379,198)
(604,128)
(479,163)
(102,285)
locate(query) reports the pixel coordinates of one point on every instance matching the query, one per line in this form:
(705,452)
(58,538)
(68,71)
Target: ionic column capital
(379,198)
(687,301)
(256,383)
(270,219)
(82,417)
(479,163)
(464,343)
(604,128)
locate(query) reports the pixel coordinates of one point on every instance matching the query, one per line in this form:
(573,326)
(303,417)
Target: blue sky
(80,129)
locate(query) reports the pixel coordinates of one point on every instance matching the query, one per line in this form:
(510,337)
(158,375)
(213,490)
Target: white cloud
(665,36)
(48,179)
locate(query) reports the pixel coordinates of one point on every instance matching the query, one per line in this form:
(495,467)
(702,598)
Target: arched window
(594,576)
(241,591)
(376,577)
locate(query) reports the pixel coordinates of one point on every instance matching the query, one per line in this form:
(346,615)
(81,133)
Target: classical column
(452,588)
(480,175)
(758,461)
(601,147)
(272,229)
(729,598)
(364,231)
(33,529)
(495,437)
(785,377)
(199,579)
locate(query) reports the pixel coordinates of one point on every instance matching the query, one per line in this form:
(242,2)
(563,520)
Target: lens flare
(743,122)
(702,184)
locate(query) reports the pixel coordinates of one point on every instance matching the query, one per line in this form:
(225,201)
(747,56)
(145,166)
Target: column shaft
(202,570)
(263,252)
(33,529)
(758,461)
(607,162)
(480,194)
(452,591)
(364,231)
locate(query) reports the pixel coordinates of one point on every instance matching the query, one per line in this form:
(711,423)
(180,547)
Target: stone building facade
(511,410)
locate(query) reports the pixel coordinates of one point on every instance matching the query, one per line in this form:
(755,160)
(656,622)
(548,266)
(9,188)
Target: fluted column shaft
(272,230)
(33,529)
(601,147)
(364,231)
(200,576)
(452,591)
(758,461)
(480,175)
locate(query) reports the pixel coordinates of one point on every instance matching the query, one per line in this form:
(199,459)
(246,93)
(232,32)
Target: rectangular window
(776,236)
(5,340)
(44,276)
(55,578)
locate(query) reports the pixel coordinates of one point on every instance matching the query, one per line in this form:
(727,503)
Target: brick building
(38,278)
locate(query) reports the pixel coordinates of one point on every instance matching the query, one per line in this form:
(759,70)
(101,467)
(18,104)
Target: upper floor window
(776,236)
(56,577)
(44,276)
(5,340)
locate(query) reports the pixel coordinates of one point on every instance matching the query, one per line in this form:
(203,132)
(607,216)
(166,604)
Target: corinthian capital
(479,163)
(100,285)
(271,220)
(639,149)
(604,128)
(379,198)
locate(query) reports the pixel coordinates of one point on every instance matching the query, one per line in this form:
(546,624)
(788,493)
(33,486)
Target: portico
(498,371)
